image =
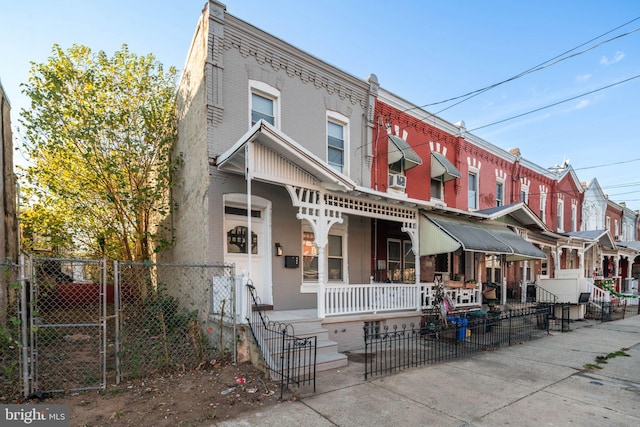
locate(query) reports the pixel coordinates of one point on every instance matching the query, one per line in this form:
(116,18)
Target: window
(608,223)
(616,227)
(543,207)
(264,103)
(335,257)
(237,240)
(437,188)
(337,141)
(309,256)
(574,217)
(401,261)
(524,194)
(499,193)
(261,108)
(473,190)
(560,215)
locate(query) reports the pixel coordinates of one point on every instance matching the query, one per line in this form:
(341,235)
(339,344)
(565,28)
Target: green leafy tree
(98,137)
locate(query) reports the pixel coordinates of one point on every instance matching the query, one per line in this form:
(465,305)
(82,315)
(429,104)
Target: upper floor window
(337,141)
(543,207)
(524,194)
(608,223)
(499,193)
(437,188)
(473,190)
(574,218)
(616,227)
(264,101)
(560,215)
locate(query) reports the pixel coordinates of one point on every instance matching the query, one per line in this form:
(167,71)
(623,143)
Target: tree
(98,137)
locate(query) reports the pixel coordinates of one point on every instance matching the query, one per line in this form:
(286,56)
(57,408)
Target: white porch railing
(349,299)
(345,299)
(598,294)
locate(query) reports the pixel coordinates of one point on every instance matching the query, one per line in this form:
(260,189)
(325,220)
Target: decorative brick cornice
(266,55)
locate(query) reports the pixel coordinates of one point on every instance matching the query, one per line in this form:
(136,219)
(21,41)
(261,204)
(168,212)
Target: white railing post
(243,303)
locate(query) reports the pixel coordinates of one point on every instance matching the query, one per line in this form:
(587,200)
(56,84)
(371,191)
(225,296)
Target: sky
(581,105)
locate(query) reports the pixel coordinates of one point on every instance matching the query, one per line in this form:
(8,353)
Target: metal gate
(67,318)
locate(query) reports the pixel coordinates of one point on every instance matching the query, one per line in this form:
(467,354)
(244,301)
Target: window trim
(266,91)
(341,120)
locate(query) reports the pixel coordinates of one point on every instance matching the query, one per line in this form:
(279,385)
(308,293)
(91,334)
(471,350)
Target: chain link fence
(10,330)
(172,317)
(68,302)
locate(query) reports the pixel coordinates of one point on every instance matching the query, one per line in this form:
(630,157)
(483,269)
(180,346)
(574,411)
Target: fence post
(24,307)
(116,313)
(242,302)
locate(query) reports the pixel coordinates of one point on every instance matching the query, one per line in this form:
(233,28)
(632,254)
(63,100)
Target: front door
(238,244)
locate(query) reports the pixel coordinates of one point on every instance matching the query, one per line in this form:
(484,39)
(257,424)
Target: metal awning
(442,168)
(400,149)
(439,234)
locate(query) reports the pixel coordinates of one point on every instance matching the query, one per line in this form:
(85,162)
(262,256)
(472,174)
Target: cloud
(583,103)
(616,58)
(583,77)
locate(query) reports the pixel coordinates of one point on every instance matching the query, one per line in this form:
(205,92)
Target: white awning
(400,149)
(442,168)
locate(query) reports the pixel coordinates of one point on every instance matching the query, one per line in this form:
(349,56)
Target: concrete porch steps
(327,355)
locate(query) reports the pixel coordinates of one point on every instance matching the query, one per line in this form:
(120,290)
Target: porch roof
(279,159)
(602,237)
(439,234)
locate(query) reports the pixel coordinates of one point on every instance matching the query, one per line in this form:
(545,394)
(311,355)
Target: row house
(617,260)
(344,203)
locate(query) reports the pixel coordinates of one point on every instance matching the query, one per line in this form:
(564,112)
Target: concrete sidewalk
(539,382)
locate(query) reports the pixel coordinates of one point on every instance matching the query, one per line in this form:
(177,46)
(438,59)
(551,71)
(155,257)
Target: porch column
(581,263)
(616,266)
(321,283)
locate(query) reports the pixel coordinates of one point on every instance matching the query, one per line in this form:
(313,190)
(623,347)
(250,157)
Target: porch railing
(346,299)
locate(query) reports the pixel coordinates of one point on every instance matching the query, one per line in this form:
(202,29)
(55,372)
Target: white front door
(237,244)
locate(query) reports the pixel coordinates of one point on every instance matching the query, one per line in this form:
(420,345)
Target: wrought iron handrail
(289,359)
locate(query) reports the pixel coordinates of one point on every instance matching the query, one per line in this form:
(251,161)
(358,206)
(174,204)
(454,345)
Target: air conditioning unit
(397,181)
(619,237)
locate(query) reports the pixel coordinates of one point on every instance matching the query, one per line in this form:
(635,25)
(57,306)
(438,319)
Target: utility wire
(556,59)
(555,103)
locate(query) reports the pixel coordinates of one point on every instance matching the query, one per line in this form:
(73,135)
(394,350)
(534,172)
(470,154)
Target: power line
(608,164)
(538,67)
(555,103)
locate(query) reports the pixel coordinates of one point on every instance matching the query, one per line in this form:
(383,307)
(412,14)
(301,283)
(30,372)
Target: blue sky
(423,51)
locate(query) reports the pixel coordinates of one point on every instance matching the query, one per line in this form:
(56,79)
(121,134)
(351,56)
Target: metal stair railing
(289,359)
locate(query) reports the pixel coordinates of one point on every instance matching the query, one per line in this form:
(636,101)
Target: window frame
(524,194)
(266,91)
(311,285)
(476,199)
(560,215)
(543,207)
(500,183)
(340,120)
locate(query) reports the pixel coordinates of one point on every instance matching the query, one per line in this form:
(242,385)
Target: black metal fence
(395,348)
(607,311)
(289,359)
